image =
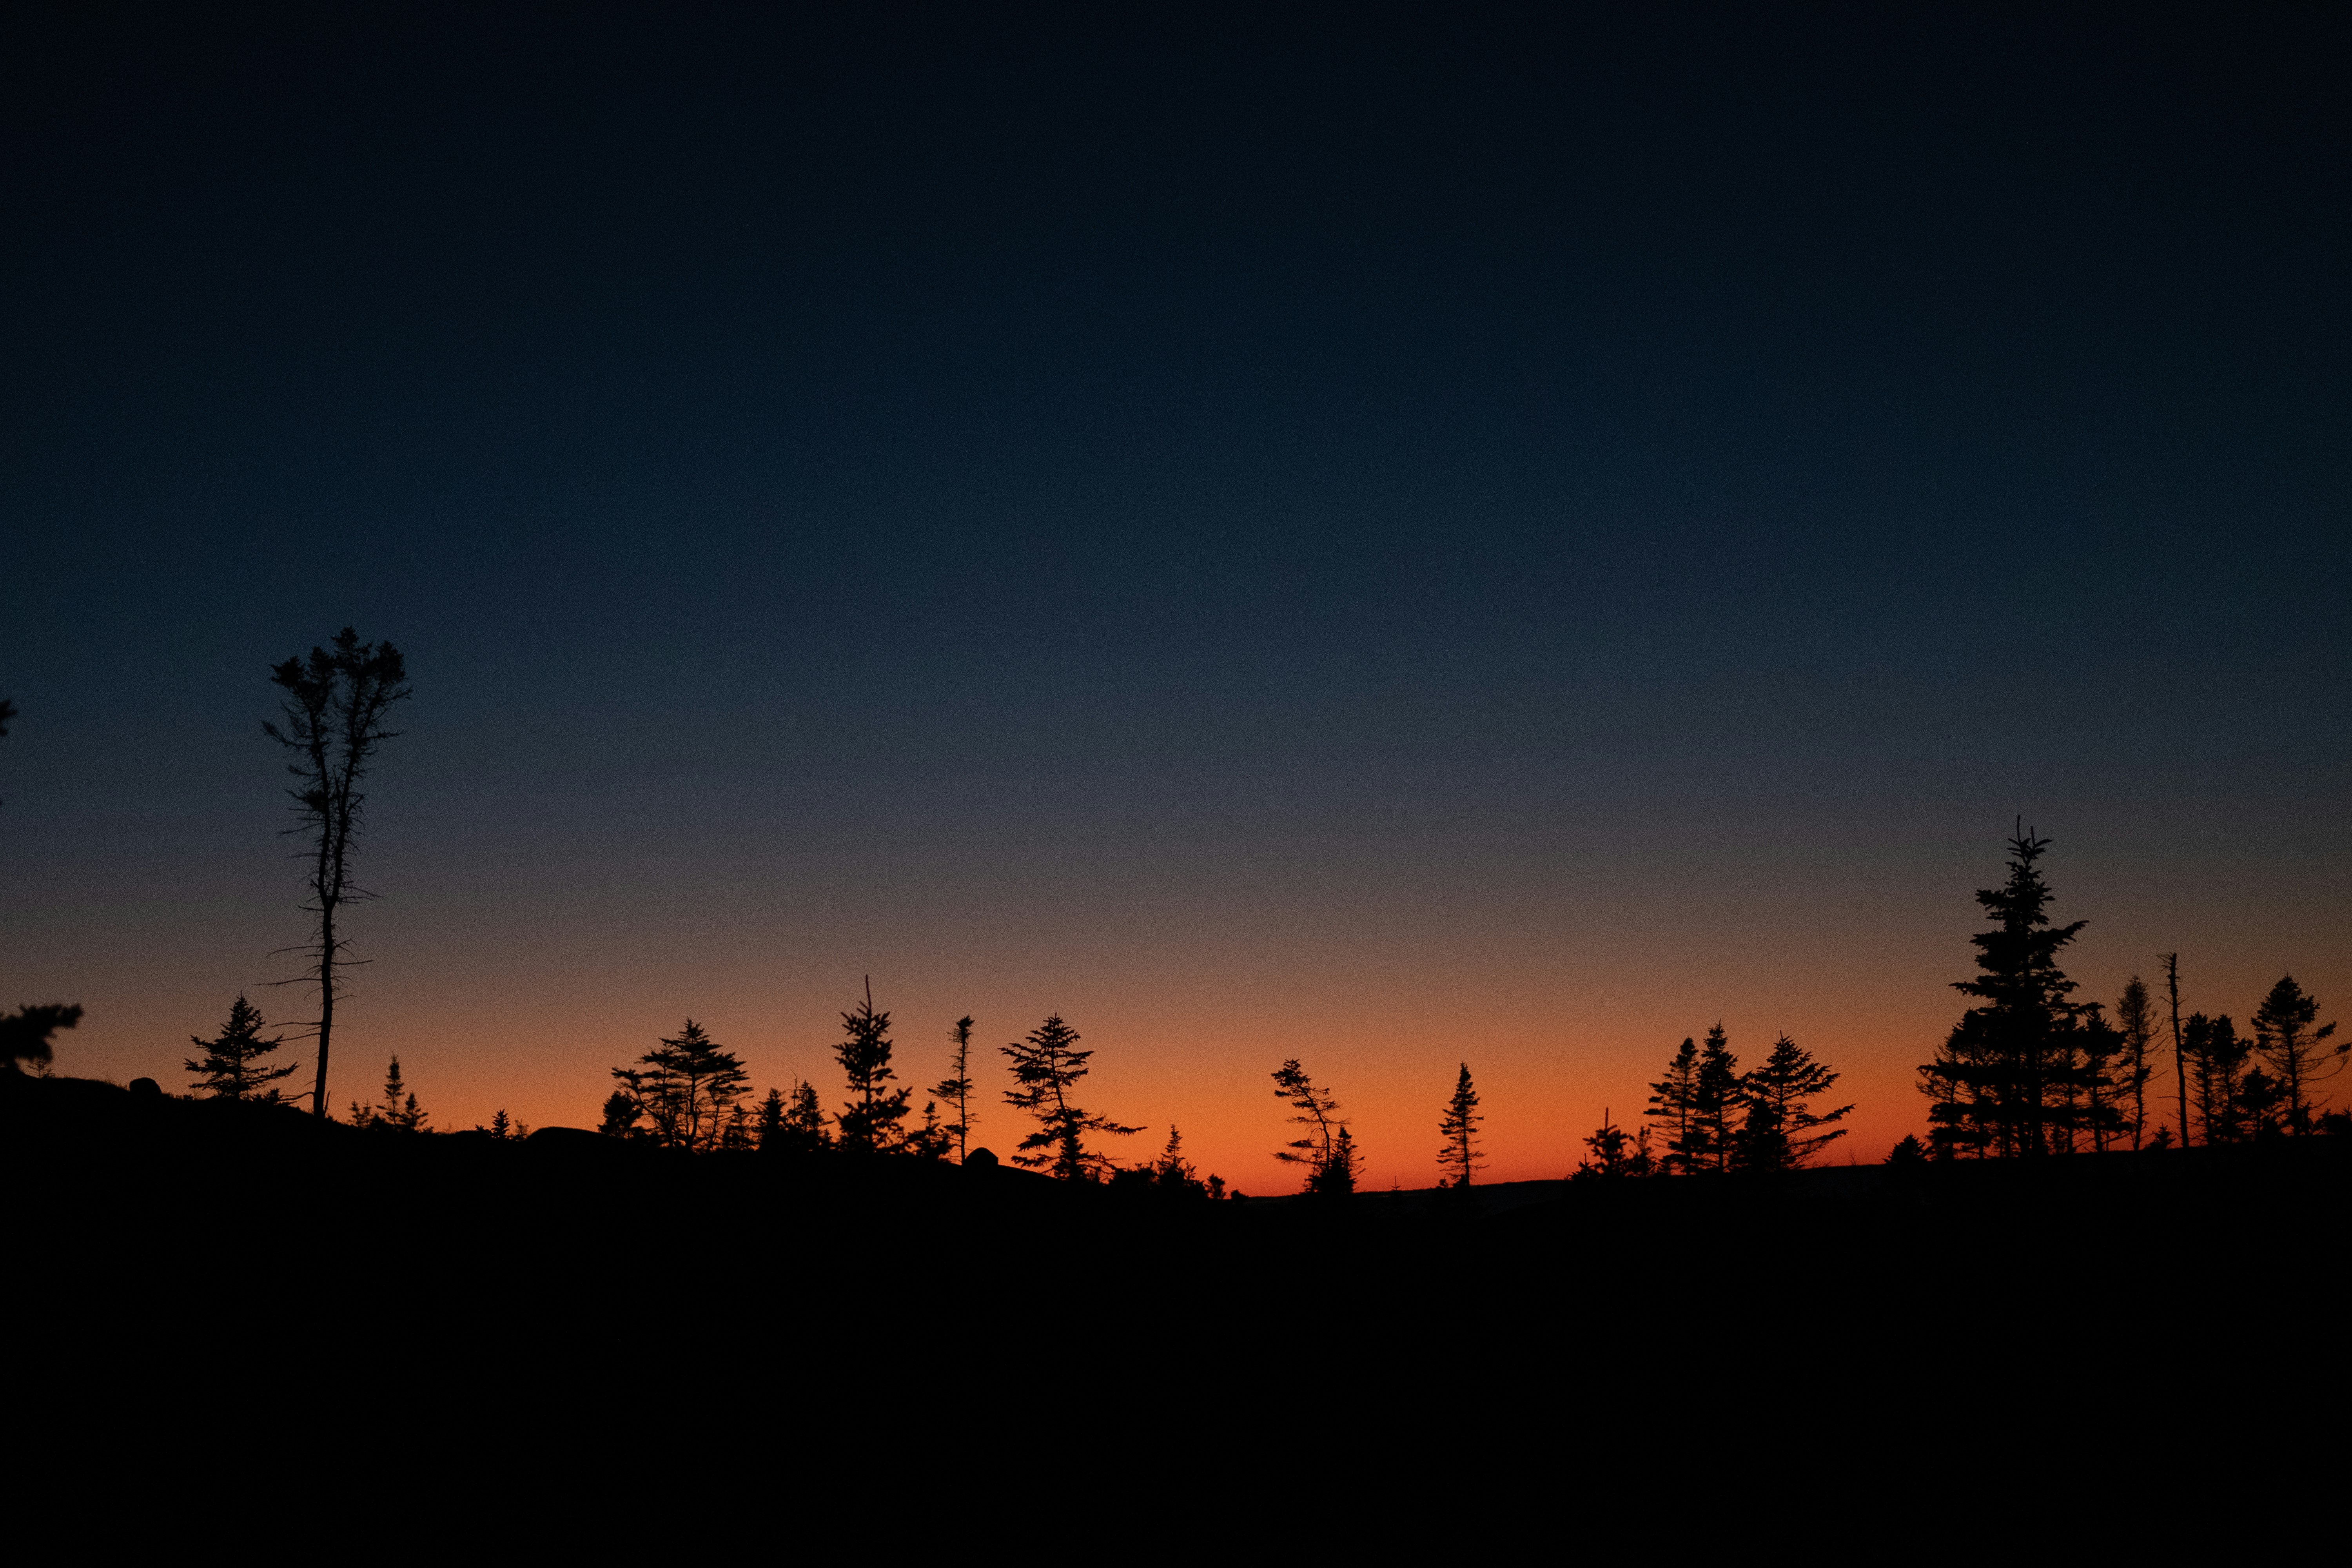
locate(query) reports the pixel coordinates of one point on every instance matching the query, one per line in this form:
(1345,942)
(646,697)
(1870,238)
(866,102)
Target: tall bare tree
(2180,1046)
(334,709)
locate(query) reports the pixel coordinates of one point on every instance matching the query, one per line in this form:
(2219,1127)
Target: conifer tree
(1172,1172)
(232,1066)
(2136,1063)
(804,1130)
(397,1109)
(1316,1112)
(1458,1158)
(2218,1058)
(621,1116)
(1672,1099)
(1340,1172)
(1713,1135)
(2009,1069)
(956,1088)
(685,1087)
(1780,1130)
(2098,1050)
(1046,1067)
(770,1130)
(1610,1150)
(2293,1044)
(870,1122)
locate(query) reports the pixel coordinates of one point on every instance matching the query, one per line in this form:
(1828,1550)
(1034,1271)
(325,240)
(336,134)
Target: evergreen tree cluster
(2029,1071)
(1711,1117)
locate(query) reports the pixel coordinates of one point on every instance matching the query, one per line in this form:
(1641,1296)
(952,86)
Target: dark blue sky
(1473,442)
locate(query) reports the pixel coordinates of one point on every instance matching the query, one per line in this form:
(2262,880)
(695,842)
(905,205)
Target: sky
(1392,536)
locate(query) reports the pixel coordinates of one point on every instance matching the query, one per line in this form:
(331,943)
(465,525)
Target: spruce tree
(2009,1069)
(2218,1057)
(621,1116)
(1779,1129)
(2293,1044)
(685,1087)
(956,1088)
(870,1122)
(1046,1067)
(397,1109)
(1458,1157)
(232,1066)
(1341,1170)
(804,1124)
(1610,1150)
(2098,1069)
(793,1123)
(1713,1133)
(1672,1099)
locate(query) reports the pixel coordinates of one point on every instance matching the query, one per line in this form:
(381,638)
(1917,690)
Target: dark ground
(210,1259)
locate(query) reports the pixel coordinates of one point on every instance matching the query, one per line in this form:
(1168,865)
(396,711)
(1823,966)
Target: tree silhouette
(2097,1048)
(334,710)
(792,1124)
(2180,1040)
(1610,1150)
(25,1033)
(397,1109)
(2008,1072)
(1170,1175)
(1781,1130)
(1458,1158)
(232,1066)
(2136,1063)
(1316,1111)
(870,1122)
(621,1116)
(503,1127)
(2296,1053)
(1672,1099)
(2235,1101)
(685,1088)
(1046,1067)
(1714,1132)
(956,1088)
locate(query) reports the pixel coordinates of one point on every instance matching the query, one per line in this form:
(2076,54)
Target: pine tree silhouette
(1046,1067)
(232,1066)
(870,1122)
(1673,1098)
(2293,1044)
(1458,1158)
(621,1116)
(1317,1113)
(2008,1079)
(685,1087)
(398,1109)
(955,1089)
(1713,1137)
(1780,1130)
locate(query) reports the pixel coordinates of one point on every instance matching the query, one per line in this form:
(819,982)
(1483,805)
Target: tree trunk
(326,1002)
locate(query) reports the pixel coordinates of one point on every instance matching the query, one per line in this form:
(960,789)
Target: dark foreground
(235,1256)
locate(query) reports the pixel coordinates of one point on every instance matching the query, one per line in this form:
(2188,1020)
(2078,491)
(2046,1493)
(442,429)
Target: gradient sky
(1391,536)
